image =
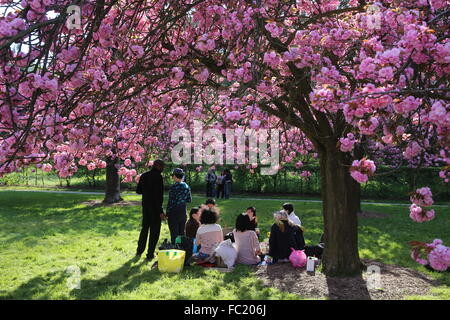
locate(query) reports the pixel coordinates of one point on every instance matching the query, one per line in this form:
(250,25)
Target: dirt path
(395,283)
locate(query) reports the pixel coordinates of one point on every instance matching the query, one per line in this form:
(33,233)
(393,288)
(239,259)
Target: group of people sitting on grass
(202,232)
(286,234)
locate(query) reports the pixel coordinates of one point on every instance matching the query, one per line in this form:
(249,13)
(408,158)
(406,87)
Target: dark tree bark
(341,203)
(112,192)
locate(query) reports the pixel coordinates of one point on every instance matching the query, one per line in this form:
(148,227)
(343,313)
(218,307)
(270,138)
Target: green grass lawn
(43,234)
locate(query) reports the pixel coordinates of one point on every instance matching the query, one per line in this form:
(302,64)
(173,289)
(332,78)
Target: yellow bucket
(171,260)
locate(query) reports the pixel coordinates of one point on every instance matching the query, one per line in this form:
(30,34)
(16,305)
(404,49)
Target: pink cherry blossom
(362,169)
(46,167)
(202,76)
(346,144)
(299,164)
(274,30)
(359,177)
(305,174)
(420,215)
(439,258)
(412,151)
(368,127)
(422,197)
(272,59)
(233,116)
(255,124)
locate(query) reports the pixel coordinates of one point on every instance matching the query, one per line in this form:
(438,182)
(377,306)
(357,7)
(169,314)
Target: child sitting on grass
(209,234)
(246,241)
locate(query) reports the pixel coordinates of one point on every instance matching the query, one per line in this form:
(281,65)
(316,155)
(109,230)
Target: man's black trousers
(210,189)
(151,221)
(177,221)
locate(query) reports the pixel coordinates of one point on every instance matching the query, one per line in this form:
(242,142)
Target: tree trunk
(112,192)
(341,203)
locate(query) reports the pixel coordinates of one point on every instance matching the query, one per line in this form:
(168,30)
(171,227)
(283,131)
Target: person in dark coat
(251,212)
(151,187)
(284,235)
(228,181)
(220,184)
(210,179)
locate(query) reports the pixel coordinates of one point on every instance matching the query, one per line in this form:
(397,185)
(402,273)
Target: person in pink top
(209,234)
(246,241)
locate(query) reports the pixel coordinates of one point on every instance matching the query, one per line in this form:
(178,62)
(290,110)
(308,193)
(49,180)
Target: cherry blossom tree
(94,96)
(92,93)
(342,72)
(331,74)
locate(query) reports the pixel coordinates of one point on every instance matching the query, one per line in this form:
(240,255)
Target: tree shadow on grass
(113,281)
(101,220)
(128,278)
(243,289)
(40,287)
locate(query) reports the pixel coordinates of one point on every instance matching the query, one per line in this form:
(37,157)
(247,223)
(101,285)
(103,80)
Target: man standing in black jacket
(152,189)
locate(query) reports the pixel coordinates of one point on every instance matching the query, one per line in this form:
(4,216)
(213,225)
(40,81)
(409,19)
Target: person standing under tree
(210,182)
(179,195)
(151,187)
(220,182)
(228,181)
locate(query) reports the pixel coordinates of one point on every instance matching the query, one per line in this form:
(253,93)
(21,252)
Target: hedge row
(387,184)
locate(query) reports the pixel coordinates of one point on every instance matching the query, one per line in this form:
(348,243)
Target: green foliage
(387,184)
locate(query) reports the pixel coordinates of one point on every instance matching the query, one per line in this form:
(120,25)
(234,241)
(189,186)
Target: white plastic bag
(311,264)
(227,252)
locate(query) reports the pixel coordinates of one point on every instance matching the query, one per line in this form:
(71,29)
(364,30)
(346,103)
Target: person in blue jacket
(179,195)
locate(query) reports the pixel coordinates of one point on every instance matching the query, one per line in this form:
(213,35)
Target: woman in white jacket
(289,208)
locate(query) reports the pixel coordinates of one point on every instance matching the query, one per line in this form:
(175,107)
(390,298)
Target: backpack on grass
(314,251)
